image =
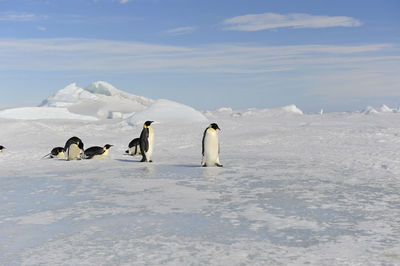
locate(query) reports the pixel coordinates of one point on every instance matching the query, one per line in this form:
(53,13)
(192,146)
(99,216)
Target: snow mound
(69,95)
(165,111)
(385,109)
(99,99)
(36,113)
(225,110)
(292,109)
(369,110)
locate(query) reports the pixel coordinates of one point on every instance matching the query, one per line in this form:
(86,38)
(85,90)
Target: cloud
(181,30)
(337,70)
(41,28)
(257,22)
(85,54)
(124,1)
(19,17)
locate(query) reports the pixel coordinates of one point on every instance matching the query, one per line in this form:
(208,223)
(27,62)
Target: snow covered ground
(294,190)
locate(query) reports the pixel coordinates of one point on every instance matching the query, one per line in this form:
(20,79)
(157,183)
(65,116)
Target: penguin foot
(150,161)
(219,165)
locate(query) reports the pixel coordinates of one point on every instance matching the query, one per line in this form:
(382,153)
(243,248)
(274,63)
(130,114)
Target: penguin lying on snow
(134,147)
(210,147)
(2,148)
(73,149)
(97,152)
(147,142)
(57,152)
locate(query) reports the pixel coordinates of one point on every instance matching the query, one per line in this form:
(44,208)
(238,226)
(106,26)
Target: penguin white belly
(105,154)
(211,156)
(134,150)
(73,152)
(60,155)
(151,144)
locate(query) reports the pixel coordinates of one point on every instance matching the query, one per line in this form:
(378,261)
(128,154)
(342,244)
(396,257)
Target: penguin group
(73,150)
(144,145)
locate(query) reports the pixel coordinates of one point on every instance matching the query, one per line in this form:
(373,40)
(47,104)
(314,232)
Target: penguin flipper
(202,142)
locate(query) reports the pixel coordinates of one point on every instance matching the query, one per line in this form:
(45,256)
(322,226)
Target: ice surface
(294,190)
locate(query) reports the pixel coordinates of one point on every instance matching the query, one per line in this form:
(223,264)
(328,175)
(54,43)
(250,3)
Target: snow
(292,109)
(294,190)
(369,110)
(385,109)
(100,99)
(35,113)
(382,109)
(163,111)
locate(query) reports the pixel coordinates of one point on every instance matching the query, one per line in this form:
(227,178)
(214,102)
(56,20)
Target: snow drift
(167,111)
(34,113)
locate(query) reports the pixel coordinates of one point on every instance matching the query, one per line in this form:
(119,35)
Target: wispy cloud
(330,69)
(257,22)
(19,17)
(124,1)
(181,30)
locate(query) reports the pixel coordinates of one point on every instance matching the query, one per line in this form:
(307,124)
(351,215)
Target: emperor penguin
(73,149)
(57,152)
(134,147)
(210,146)
(2,148)
(97,152)
(147,142)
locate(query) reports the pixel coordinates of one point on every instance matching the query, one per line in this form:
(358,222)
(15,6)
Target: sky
(331,55)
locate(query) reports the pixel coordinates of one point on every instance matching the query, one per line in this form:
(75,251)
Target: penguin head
(147,124)
(214,126)
(107,146)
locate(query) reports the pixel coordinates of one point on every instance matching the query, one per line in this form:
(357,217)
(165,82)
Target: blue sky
(335,55)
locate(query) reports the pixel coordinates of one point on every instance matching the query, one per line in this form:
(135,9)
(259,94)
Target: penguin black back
(55,151)
(96,151)
(134,142)
(73,140)
(134,147)
(2,148)
(73,149)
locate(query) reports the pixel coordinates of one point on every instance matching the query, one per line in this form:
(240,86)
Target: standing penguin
(73,149)
(210,147)
(134,147)
(2,148)
(147,142)
(97,152)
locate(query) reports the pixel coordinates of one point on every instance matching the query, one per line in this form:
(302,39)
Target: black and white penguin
(57,152)
(97,152)
(73,149)
(2,148)
(147,142)
(134,147)
(210,146)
